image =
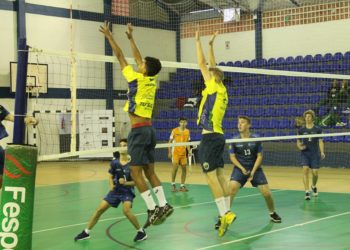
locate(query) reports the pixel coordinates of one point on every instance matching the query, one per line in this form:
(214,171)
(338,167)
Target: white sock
(220,203)
(227,202)
(160,195)
(87,231)
(147,197)
(173,183)
(141,229)
(182,185)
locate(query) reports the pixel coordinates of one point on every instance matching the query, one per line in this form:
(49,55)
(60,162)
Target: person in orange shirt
(178,155)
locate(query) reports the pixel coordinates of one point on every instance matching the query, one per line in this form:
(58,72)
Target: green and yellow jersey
(213,106)
(141,93)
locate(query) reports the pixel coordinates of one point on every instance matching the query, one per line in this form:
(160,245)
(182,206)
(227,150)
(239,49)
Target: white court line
(116,218)
(274,231)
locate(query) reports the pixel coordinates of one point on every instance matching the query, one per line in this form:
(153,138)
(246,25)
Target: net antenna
(73,85)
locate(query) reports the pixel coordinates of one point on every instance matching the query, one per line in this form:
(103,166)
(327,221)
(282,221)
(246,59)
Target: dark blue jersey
(312,144)
(246,152)
(3,114)
(118,171)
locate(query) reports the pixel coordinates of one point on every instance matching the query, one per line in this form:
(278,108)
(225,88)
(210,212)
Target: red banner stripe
(10,175)
(18,164)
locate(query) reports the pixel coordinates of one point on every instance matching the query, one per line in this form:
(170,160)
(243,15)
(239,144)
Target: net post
(17,200)
(20,97)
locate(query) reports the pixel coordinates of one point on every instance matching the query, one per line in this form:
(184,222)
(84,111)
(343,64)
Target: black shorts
(141,145)
(2,160)
(211,151)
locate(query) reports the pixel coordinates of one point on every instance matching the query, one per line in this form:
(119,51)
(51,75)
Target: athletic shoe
(275,218)
(82,236)
(140,236)
(218,223)
(183,189)
(154,217)
(340,124)
(167,210)
(226,221)
(307,196)
(314,191)
(347,111)
(173,188)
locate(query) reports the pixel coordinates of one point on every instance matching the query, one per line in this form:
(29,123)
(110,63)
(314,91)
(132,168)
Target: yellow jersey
(141,92)
(213,106)
(180,136)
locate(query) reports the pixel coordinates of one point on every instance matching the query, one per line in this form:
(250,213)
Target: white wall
(86,5)
(242,46)
(54,33)
(8,41)
(322,38)
(326,37)
(151,42)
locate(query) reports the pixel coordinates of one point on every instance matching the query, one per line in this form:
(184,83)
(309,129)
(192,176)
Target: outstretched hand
(129,31)
(213,38)
(105,29)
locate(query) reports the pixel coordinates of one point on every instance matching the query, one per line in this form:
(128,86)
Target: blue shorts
(258,179)
(113,198)
(2,160)
(311,160)
(141,145)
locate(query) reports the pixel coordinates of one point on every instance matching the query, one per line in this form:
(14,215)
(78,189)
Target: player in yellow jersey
(178,155)
(210,115)
(141,139)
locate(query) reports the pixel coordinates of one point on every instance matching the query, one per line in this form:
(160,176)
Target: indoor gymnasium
(175,124)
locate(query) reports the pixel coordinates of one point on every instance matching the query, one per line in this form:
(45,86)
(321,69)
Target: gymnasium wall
(307,30)
(53,31)
(48,26)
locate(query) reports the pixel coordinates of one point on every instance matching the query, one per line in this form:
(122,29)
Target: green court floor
(62,211)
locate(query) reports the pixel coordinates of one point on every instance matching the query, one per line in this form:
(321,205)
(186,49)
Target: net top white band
(113,59)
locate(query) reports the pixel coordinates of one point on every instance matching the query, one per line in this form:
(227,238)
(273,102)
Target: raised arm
(135,50)
(201,59)
(104,29)
(212,62)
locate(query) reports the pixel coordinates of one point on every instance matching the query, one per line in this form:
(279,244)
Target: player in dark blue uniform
(121,191)
(7,116)
(247,158)
(312,151)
